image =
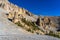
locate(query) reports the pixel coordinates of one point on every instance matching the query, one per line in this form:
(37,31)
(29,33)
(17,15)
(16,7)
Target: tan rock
(46,20)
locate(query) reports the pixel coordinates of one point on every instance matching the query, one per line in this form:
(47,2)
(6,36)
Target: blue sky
(40,7)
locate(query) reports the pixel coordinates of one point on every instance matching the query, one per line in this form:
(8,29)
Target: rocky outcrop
(28,21)
(48,23)
(10,31)
(16,14)
(14,11)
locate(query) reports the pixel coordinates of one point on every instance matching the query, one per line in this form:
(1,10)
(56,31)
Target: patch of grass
(29,30)
(32,24)
(53,34)
(19,24)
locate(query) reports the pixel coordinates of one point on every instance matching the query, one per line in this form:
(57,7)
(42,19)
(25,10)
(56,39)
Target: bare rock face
(48,23)
(47,20)
(15,12)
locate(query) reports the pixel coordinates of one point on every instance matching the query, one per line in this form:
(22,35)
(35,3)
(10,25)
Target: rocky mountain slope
(21,17)
(7,27)
(10,31)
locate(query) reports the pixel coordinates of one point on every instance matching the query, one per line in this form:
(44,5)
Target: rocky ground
(10,31)
(26,37)
(11,14)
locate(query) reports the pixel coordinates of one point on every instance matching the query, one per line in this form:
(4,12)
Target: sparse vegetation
(19,24)
(53,34)
(37,33)
(29,30)
(32,24)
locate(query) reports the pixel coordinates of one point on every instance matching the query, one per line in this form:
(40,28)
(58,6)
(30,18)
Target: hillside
(19,21)
(10,31)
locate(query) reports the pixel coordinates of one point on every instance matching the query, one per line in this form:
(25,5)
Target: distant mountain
(45,25)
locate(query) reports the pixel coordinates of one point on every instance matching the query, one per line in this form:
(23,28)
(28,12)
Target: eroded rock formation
(29,21)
